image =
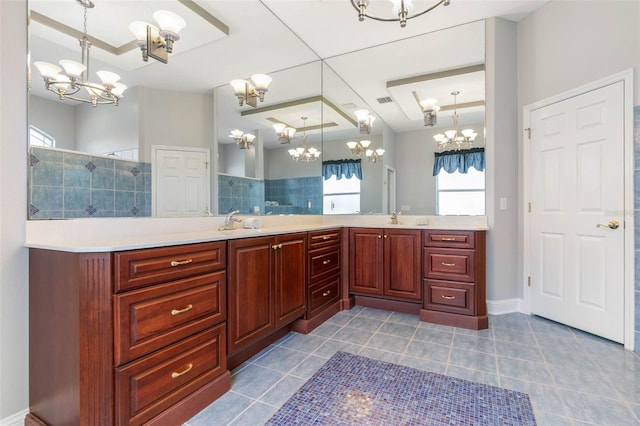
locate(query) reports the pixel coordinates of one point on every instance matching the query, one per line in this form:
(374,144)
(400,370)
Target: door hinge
(528,130)
(206,165)
(529,280)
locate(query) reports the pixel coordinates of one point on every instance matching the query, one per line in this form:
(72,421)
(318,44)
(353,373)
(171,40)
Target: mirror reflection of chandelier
(402,10)
(70,84)
(304,154)
(284,132)
(455,139)
(244,140)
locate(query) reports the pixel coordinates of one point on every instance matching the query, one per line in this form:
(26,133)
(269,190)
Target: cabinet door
(365,261)
(250,294)
(402,272)
(289,277)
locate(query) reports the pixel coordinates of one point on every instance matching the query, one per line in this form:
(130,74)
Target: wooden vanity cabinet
(126,338)
(454,278)
(323,278)
(386,263)
(267,292)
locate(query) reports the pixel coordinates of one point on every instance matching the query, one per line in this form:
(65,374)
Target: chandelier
(365,121)
(303,153)
(454,139)
(244,140)
(70,84)
(401,9)
(284,132)
(250,91)
(358,148)
(158,42)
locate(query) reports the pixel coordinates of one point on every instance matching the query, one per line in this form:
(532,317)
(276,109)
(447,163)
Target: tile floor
(572,377)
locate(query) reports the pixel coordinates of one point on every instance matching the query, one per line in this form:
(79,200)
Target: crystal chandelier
(70,84)
(303,153)
(401,9)
(357,148)
(455,139)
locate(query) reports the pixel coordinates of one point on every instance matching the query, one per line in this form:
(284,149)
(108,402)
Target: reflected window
(341,196)
(461,193)
(39,138)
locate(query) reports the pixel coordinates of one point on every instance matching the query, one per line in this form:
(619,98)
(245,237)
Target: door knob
(613,224)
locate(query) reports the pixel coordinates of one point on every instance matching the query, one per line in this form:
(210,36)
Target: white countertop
(115,234)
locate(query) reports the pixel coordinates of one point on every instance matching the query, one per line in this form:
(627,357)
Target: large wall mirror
(105,156)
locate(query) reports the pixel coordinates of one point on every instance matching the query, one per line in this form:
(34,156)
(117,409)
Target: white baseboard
(15,420)
(505,306)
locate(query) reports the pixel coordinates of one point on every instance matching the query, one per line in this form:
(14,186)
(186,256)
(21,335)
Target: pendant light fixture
(455,139)
(402,10)
(304,154)
(75,78)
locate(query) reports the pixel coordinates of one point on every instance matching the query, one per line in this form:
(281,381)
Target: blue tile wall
(294,196)
(636,214)
(66,184)
(240,193)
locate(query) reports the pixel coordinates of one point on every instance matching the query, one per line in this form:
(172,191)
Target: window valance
(460,160)
(339,168)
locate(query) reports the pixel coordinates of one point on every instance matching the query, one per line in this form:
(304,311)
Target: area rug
(355,390)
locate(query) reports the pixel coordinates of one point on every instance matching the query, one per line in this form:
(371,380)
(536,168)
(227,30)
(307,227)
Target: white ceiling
(287,39)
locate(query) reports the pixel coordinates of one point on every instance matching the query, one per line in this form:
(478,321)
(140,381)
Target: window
(460,193)
(39,138)
(341,196)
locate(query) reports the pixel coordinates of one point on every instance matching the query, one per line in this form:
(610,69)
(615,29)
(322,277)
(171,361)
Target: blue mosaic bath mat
(354,390)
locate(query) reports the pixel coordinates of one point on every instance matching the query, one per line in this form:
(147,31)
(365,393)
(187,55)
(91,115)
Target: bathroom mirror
(187,104)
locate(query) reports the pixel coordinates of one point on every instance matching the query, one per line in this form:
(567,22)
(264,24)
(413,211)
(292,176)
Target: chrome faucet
(229,220)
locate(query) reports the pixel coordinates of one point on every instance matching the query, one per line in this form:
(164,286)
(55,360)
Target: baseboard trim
(15,419)
(504,306)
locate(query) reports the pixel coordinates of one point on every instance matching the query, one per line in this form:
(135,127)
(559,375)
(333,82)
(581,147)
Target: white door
(577,189)
(181,182)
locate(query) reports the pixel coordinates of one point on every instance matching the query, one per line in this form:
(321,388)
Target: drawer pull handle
(448,264)
(448,239)
(326,293)
(276,246)
(448,297)
(181,262)
(326,262)
(175,312)
(177,374)
(326,237)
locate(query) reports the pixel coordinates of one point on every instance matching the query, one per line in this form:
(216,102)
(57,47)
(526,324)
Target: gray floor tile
(474,343)
(386,342)
(515,350)
(524,370)
(377,314)
(401,318)
(397,329)
(380,355)
(597,410)
(426,350)
(325,330)
(353,335)
(422,364)
(309,366)
(544,397)
(472,375)
(473,360)
(257,414)
(282,391)
(303,343)
(442,337)
(369,324)
(281,359)
(222,411)
(330,347)
(254,380)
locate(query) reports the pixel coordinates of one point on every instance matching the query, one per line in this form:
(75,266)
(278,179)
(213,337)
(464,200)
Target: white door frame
(389,190)
(154,171)
(629,294)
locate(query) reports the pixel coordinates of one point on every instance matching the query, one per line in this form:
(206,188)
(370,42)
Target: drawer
(324,238)
(450,297)
(449,264)
(139,268)
(150,385)
(323,262)
(322,294)
(153,317)
(457,239)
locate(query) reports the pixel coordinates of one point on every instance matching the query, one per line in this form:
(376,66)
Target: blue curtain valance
(460,160)
(338,168)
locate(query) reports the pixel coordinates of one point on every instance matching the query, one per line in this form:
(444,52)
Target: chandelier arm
(377,18)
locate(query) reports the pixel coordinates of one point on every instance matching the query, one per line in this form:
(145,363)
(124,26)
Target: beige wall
(14,378)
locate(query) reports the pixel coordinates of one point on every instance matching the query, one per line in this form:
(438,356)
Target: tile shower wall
(66,184)
(295,195)
(240,193)
(636,167)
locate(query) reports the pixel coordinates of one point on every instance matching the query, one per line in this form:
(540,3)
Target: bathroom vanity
(137,326)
